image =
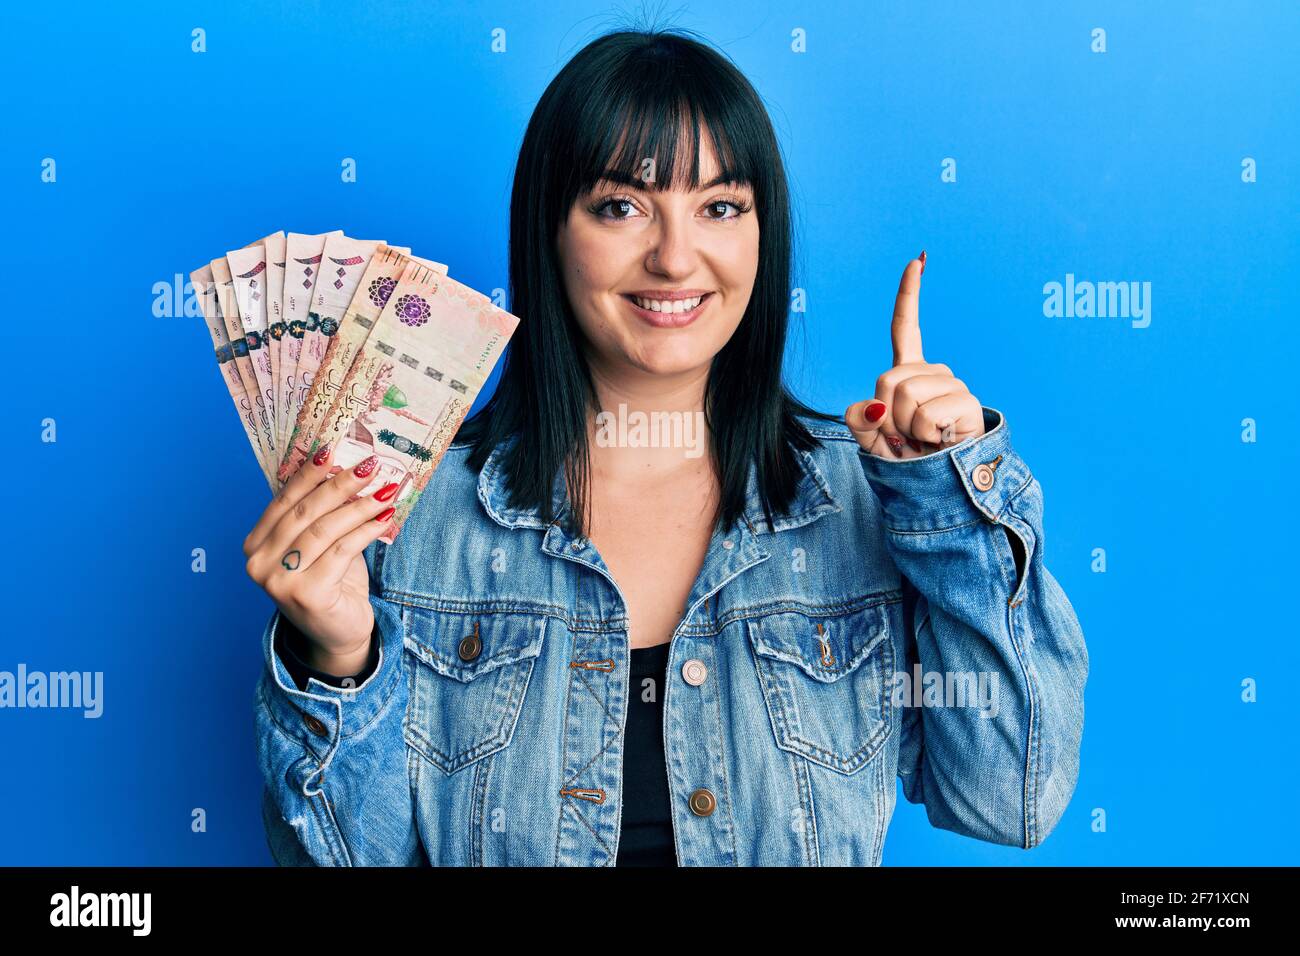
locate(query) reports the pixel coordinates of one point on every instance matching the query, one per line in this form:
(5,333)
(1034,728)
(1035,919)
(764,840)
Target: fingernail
(875,411)
(364,469)
(386,492)
(385,514)
(914,444)
(320,456)
(922,257)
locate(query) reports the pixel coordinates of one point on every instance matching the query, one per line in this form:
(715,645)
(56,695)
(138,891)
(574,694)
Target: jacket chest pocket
(826,682)
(468,676)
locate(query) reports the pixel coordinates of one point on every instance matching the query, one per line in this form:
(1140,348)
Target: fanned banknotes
(353,343)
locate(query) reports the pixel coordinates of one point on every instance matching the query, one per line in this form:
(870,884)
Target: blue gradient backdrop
(1122,166)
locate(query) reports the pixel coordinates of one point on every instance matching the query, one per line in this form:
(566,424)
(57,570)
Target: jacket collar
(812,499)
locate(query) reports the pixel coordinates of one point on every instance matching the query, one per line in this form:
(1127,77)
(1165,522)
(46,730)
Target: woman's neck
(648,425)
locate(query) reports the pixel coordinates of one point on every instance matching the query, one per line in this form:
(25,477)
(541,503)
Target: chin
(669,358)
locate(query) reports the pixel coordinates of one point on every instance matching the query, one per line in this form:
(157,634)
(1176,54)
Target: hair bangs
(646,127)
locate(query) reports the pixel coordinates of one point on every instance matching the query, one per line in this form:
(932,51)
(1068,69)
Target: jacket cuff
(974,479)
(320,714)
(291,647)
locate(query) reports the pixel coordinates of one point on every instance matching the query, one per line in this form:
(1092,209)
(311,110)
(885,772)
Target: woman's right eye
(624,205)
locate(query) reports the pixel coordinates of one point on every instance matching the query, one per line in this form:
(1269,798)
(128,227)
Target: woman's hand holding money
(306,552)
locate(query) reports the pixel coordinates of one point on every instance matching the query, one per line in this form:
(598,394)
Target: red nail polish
(364,469)
(320,456)
(894,442)
(914,444)
(922,257)
(385,514)
(386,492)
(875,411)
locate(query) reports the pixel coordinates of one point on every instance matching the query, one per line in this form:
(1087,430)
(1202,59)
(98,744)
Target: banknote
(385,267)
(206,292)
(239,345)
(248,274)
(275,246)
(302,265)
(413,381)
(342,264)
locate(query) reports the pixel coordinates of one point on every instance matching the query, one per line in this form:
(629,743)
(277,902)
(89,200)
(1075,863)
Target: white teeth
(668,305)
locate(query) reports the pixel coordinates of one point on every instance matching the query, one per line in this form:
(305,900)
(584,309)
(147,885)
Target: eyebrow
(623,179)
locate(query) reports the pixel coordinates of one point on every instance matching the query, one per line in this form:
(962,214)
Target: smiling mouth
(668,312)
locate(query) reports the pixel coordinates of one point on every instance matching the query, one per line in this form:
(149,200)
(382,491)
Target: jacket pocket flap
(466,645)
(825,647)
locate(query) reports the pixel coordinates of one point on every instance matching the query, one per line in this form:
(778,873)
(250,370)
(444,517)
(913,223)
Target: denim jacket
(883,627)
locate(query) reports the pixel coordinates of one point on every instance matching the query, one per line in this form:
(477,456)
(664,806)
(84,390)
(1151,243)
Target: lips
(663,311)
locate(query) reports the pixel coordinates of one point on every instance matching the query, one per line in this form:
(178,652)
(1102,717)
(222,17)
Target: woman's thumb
(864,420)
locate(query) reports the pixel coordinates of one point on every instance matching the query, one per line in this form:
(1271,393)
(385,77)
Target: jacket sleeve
(964,527)
(291,647)
(333,759)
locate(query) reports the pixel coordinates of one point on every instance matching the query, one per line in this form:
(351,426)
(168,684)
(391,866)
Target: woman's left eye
(738,206)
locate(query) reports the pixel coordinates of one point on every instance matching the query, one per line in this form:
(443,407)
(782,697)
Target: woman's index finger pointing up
(906,327)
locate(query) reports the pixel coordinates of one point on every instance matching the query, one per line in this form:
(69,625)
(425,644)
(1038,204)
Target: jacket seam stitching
(1031,741)
(568,709)
(811,841)
(482,770)
(726,784)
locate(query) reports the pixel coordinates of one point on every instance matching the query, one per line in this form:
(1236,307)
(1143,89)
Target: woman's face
(634,259)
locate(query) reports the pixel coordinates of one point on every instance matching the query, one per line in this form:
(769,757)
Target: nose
(673,251)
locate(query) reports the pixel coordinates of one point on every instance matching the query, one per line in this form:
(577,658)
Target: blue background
(1122,166)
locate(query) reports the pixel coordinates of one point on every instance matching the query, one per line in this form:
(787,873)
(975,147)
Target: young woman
(596,644)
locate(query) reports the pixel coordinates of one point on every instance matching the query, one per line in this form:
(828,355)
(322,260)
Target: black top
(646,837)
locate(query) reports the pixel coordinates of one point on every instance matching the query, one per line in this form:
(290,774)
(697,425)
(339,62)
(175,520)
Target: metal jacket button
(982,475)
(694,672)
(315,726)
(703,802)
(470,645)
